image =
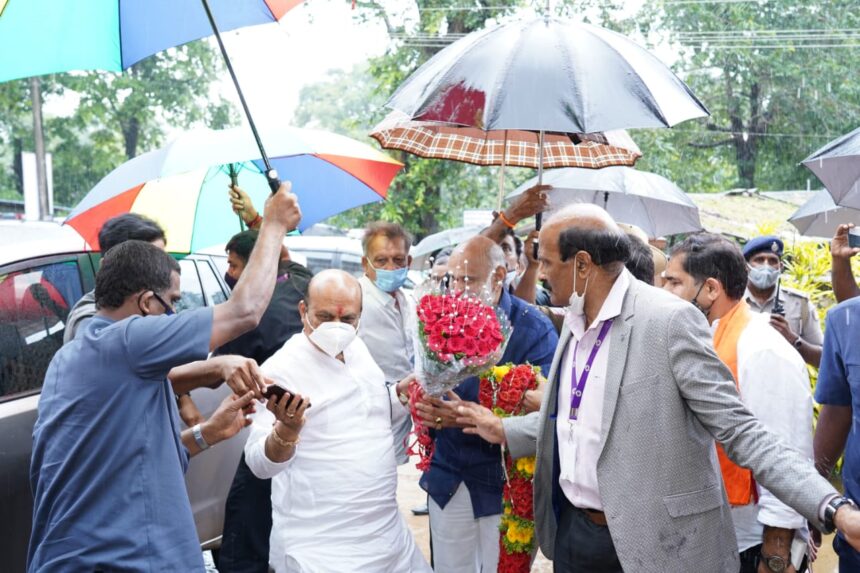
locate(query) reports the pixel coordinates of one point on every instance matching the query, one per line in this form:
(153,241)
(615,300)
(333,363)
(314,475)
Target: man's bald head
(333,296)
(583,215)
(476,263)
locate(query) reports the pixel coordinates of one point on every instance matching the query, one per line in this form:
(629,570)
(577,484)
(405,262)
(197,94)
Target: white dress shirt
(579,440)
(774,384)
(385,328)
(333,503)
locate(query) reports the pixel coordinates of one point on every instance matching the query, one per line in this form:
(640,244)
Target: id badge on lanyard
(577,387)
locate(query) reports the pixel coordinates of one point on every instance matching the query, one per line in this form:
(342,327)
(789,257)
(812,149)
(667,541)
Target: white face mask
(576,304)
(512,278)
(331,337)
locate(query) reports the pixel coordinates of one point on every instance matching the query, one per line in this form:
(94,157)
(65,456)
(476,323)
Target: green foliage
(119,116)
(428,194)
(776,82)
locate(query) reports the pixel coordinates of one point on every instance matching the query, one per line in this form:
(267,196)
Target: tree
(775,75)
(118,116)
(169,87)
(428,193)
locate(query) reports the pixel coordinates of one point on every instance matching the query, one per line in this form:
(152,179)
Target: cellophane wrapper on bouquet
(459,335)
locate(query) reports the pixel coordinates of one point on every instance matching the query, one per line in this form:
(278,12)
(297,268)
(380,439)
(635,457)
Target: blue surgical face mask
(390,281)
(764,277)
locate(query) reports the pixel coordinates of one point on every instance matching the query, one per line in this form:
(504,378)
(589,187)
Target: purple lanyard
(577,389)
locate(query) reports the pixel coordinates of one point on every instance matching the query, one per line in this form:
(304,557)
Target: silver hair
(497,257)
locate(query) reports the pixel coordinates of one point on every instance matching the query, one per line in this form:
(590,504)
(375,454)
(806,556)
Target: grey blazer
(668,397)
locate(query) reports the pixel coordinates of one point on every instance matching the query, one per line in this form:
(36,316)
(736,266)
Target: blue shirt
(469,459)
(839,385)
(108,464)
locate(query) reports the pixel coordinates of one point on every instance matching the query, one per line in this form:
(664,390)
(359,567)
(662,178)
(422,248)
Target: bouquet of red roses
(503,390)
(458,335)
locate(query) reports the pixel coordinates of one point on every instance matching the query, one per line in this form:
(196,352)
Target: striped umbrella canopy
(184,185)
(50,36)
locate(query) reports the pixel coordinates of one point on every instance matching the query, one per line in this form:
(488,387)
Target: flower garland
(503,390)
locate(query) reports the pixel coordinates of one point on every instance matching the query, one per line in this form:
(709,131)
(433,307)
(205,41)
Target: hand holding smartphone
(854,237)
(278,392)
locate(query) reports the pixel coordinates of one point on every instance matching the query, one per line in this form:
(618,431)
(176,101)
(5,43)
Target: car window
(34,306)
(211,285)
(351,264)
(318,260)
(189,285)
(220,264)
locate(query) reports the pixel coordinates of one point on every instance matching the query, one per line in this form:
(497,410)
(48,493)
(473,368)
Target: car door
(35,299)
(209,474)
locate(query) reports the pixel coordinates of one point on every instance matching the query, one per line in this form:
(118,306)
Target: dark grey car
(36,293)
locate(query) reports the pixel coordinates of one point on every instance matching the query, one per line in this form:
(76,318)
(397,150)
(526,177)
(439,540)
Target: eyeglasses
(168,310)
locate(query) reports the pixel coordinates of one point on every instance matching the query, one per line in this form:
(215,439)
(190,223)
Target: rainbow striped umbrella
(49,36)
(184,185)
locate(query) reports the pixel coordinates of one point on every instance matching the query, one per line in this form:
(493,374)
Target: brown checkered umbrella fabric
(518,148)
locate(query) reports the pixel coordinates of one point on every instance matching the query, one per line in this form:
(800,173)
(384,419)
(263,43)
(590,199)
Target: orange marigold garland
(503,391)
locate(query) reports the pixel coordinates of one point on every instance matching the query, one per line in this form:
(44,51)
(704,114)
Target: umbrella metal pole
(502,172)
(539,216)
(271,174)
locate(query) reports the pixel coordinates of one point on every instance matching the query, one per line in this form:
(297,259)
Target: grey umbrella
(432,243)
(649,201)
(820,216)
(837,165)
(547,74)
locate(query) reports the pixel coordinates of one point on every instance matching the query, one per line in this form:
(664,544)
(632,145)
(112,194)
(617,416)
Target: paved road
(409,495)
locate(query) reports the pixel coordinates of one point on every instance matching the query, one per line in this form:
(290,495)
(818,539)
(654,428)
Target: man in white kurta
(334,501)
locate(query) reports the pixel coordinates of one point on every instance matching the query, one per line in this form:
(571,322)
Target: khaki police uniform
(801,314)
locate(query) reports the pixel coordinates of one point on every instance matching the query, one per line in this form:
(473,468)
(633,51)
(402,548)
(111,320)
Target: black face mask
(695,302)
(231,282)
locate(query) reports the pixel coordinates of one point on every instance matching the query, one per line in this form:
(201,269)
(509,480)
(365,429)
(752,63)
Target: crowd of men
(674,432)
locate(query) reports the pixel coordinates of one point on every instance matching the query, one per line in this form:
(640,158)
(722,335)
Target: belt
(596,517)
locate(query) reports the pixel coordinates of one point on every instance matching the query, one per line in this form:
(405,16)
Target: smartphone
(278,392)
(854,237)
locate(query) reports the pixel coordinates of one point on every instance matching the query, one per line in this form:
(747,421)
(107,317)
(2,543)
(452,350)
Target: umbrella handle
(274,180)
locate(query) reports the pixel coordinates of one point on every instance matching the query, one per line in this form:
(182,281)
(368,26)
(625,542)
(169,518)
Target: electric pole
(39,138)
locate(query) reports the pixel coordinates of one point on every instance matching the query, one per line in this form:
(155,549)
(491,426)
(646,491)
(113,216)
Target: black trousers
(247,524)
(581,546)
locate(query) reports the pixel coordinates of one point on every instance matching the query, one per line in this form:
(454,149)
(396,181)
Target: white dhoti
(461,542)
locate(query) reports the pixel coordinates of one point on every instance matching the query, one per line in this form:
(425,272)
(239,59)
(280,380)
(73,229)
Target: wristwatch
(830,512)
(798,342)
(775,563)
